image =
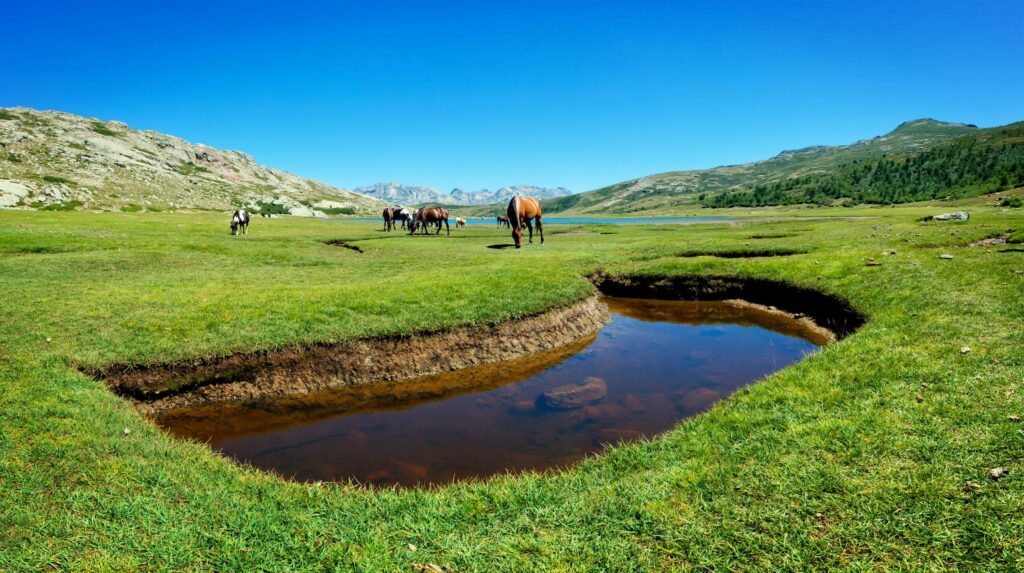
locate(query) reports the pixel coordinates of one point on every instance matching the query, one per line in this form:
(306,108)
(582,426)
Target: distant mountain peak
(403,194)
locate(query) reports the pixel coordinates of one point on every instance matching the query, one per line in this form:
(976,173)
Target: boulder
(572,396)
(957,216)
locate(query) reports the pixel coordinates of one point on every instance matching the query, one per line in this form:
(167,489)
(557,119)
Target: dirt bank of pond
(261,375)
(247,376)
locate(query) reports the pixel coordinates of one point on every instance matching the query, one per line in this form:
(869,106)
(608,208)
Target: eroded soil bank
(247,376)
(261,375)
(822,311)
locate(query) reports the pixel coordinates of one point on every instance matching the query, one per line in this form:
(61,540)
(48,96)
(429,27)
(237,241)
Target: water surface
(661,361)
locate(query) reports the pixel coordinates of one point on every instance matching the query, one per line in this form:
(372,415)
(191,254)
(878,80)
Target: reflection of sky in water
(656,373)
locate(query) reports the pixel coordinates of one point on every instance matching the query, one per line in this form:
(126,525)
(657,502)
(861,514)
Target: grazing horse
(389,219)
(430,215)
(502,221)
(460,222)
(240,222)
(402,214)
(522,211)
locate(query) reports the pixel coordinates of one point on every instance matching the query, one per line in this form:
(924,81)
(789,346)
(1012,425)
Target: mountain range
(400,194)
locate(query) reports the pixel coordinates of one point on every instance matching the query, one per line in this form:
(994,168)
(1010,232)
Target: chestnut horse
(523,211)
(502,221)
(430,215)
(389,218)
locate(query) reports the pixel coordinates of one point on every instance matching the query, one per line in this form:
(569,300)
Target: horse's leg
(540,229)
(529,225)
(447,229)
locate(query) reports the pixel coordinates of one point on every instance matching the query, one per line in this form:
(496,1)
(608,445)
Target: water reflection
(660,361)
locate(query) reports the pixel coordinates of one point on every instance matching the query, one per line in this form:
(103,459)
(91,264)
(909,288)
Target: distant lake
(573,220)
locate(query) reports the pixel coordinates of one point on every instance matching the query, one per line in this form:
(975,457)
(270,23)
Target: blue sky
(485,94)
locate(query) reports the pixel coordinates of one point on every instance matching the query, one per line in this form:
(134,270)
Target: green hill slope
(682,188)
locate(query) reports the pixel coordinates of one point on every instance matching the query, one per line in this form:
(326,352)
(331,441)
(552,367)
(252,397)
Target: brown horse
(430,215)
(389,218)
(522,211)
(502,221)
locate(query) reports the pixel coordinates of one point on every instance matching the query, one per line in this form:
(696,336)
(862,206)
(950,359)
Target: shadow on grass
(503,246)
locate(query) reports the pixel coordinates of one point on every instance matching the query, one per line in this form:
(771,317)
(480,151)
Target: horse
(522,211)
(402,214)
(430,215)
(240,222)
(389,218)
(502,221)
(460,222)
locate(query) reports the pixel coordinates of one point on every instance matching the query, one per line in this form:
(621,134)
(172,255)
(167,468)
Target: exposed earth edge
(259,375)
(248,376)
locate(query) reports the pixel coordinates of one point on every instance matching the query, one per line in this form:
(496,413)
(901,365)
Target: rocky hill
(684,188)
(60,161)
(400,194)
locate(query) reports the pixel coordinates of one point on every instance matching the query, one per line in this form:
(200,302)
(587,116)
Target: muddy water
(661,361)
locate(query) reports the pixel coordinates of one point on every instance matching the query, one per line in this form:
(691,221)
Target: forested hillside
(986,161)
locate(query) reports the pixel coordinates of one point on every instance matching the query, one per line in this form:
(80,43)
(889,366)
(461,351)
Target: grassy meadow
(856,458)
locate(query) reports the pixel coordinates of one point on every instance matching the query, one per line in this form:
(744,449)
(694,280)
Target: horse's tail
(513,212)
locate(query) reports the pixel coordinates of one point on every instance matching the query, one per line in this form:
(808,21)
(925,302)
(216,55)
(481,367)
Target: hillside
(60,161)
(401,194)
(682,188)
(985,161)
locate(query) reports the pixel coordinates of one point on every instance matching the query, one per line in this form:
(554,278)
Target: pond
(656,363)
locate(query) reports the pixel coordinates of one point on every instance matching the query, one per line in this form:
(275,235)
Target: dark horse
(430,216)
(502,221)
(240,222)
(522,211)
(393,214)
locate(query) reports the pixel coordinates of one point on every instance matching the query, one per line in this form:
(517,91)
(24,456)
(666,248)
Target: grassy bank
(855,458)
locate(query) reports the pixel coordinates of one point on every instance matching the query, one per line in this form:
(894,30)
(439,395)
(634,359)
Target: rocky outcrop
(51,158)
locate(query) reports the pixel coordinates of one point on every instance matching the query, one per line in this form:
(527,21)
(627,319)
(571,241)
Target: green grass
(855,458)
(56,179)
(102,129)
(65,206)
(339,210)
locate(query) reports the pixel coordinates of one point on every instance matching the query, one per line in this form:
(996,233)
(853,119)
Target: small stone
(892,251)
(920,397)
(523,406)
(944,256)
(126,431)
(971,486)
(592,389)
(965,349)
(1014,418)
(873,263)
(998,473)
(411,547)
(48,340)
(431,568)
(924,385)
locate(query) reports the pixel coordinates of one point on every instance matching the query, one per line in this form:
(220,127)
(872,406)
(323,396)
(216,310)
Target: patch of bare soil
(248,376)
(994,240)
(345,244)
